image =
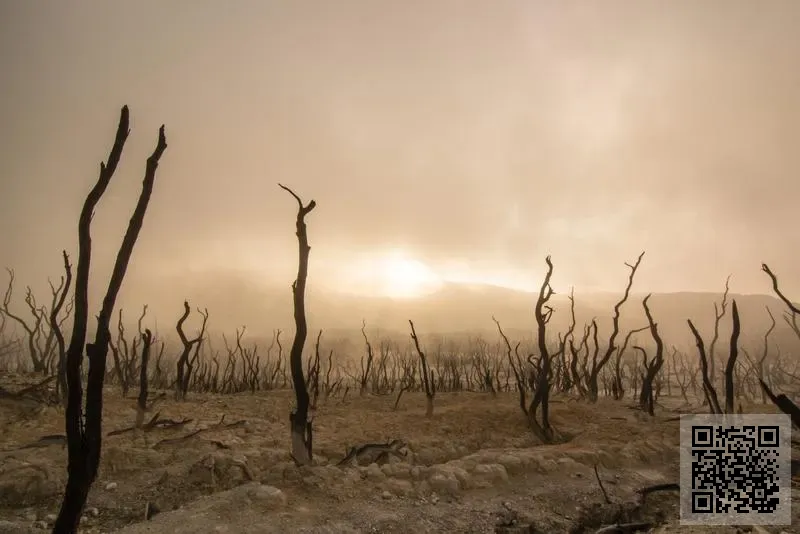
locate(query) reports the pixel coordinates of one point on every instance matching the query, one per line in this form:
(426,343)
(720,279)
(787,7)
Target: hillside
(235,300)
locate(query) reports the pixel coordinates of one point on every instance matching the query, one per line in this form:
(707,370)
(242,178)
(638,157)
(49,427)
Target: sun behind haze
(444,141)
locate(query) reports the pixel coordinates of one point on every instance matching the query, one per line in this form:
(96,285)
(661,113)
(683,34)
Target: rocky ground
(472,468)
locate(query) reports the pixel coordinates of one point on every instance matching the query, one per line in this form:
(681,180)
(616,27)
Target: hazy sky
(472,136)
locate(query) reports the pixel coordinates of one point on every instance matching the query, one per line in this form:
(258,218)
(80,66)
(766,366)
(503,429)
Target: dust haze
(449,145)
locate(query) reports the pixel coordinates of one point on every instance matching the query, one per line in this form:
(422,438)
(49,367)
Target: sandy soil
(472,468)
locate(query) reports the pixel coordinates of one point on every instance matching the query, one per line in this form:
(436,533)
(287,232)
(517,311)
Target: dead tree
(579,374)
(312,375)
(541,391)
(709,392)
(427,374)
(55,325)
(301,430)
(407,380)
(328,384)
(618,386)
(84,432)
(273,379)
(51,354)
(782,401)
(32,330)
(759,365)
(597,366)
(185,365)
(141,401)
(516,368)
(365,369)
(731,365)
(565,380)
(646,400)
(122,357)
(719,314)
(794,312)
(683,376)
(253,362)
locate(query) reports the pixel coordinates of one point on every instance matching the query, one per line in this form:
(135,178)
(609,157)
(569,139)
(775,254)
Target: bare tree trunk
(184,365)
(141,402)
(300,425)
(61,380)
(427,374)
(84,435)
(646,400)
(541,393)
(365,369)
(708,387)
(734,353)
(719,313)
(597,366)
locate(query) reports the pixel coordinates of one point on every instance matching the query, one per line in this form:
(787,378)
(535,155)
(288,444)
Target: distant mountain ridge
(234,300)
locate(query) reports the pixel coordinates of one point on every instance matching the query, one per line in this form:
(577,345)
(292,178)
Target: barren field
(473,467)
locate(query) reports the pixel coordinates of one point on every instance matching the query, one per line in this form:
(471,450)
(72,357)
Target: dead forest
(51,366)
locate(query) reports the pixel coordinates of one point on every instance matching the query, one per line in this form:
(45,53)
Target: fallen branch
(37,392)
(223,425)
(600,483)
(154,423)
(175,441)
(374,452)
(45,441)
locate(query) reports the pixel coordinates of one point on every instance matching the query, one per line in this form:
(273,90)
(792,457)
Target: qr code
(735,469)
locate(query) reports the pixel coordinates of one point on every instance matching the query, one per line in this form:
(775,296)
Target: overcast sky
(475,136)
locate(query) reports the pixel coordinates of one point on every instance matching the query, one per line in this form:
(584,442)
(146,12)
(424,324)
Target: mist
(471,139)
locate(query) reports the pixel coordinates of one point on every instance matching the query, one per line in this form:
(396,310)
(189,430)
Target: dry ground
(470,468)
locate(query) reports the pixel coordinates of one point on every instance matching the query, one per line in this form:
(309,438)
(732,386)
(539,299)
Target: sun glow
(397,274)
(403,277)
(391,273)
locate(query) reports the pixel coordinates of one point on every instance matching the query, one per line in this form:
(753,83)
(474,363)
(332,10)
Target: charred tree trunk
(84,434)
(141,401)
(61,366)
(730,394)
(365,369)
(764,354)
(708,387)
(541,394)
(783,403)
(719,314)
(597,366)
(185,365)
(301,433)
(427,374)
(646,400)
(519,372)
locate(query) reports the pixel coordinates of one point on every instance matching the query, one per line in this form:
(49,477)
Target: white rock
(111,486)
(268,496)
